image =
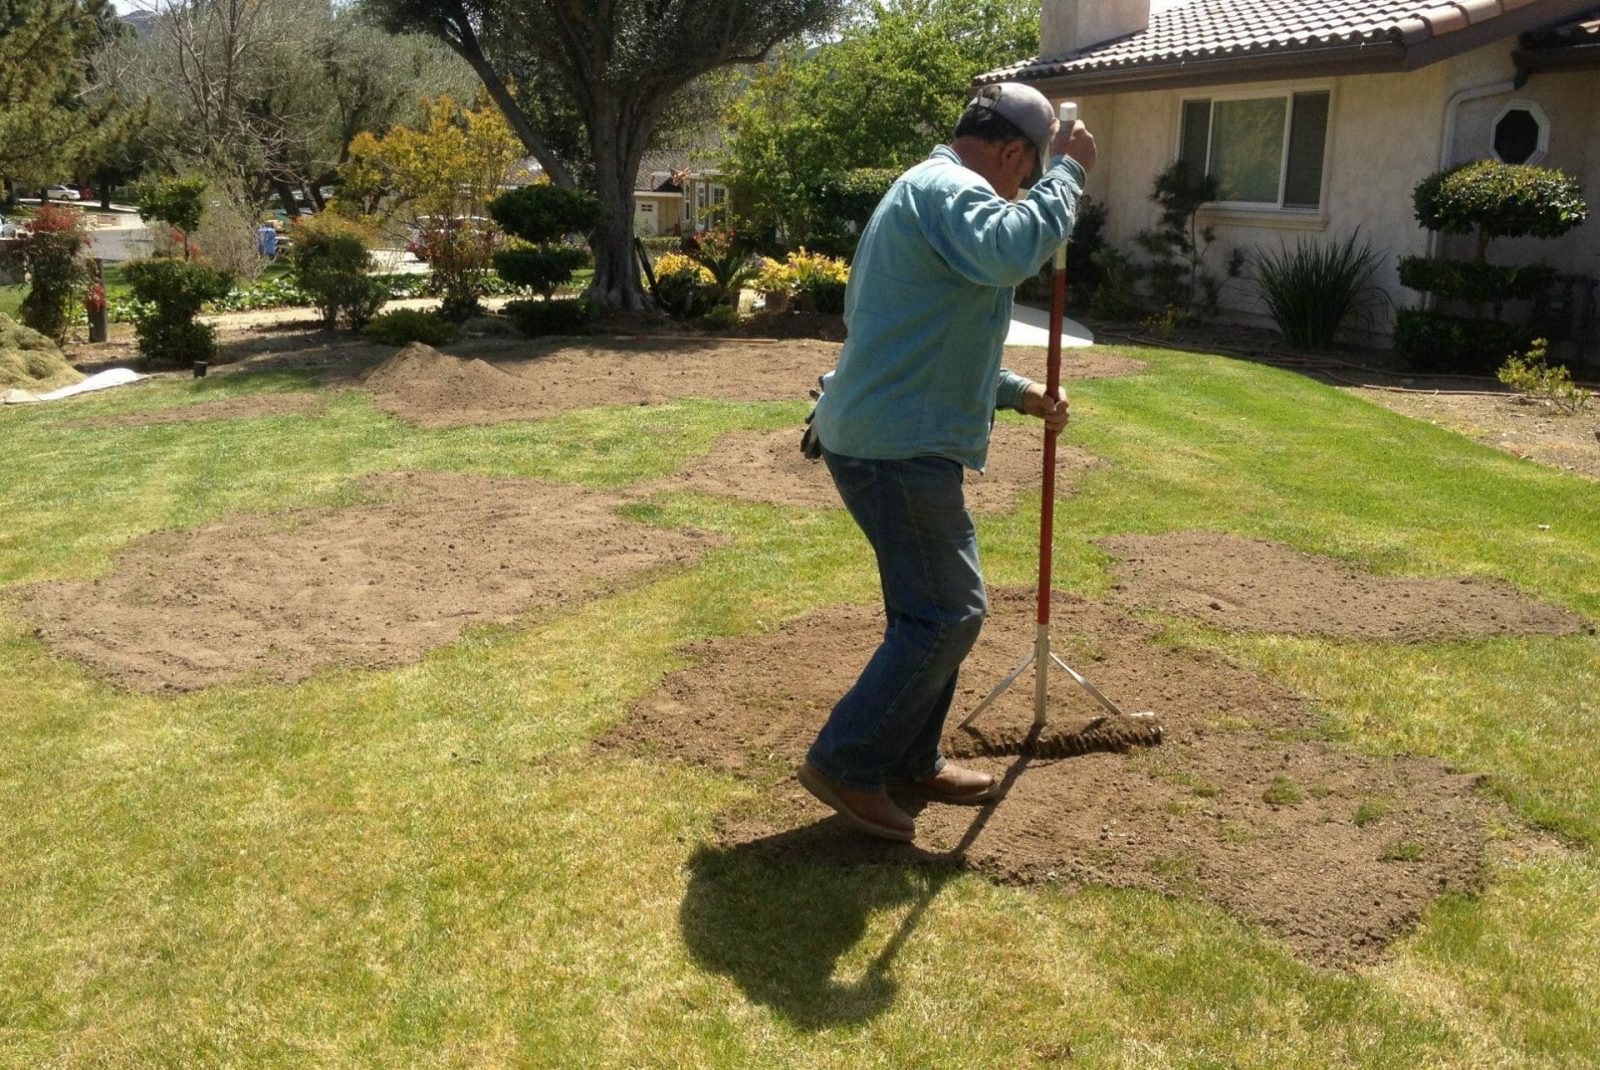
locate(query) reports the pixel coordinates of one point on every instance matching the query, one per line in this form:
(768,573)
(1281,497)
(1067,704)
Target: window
(1264,151)
(1521,134)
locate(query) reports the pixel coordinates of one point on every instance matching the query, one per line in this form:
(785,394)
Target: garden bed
(1336,853)
(280,597)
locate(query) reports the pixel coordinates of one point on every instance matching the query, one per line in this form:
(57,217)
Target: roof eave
(1365,58)
(1567,58)
(1404,51)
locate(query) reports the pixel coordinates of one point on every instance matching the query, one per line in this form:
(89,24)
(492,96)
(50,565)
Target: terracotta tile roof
(1239,29)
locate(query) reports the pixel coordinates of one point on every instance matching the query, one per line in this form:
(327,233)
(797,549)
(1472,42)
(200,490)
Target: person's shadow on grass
(781,915)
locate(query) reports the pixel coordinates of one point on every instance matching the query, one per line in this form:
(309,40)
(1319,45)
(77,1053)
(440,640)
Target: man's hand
(1075,141)
(1035,402)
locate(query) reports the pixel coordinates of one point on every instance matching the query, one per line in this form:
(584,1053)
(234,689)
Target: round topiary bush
(1500,200)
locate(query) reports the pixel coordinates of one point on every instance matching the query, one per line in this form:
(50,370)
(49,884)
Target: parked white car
(62,193)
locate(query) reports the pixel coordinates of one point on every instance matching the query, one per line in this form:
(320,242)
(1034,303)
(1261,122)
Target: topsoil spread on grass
(371,585)
(425,387)
(767,466)
(1254,585)
(1337,853)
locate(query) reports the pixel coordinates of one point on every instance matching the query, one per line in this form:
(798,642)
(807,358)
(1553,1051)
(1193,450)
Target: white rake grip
(1069,113)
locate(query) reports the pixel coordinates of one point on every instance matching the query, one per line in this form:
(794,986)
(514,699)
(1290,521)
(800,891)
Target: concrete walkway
(1031,327)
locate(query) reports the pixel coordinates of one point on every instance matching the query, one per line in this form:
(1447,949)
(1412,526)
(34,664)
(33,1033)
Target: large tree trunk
(616,271)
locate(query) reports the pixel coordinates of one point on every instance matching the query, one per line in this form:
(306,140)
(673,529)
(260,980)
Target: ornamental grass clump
(1311,288)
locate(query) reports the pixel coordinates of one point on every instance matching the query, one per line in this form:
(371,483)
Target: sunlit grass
(432,866)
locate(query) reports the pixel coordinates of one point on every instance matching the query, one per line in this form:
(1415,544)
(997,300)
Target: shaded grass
(429,866)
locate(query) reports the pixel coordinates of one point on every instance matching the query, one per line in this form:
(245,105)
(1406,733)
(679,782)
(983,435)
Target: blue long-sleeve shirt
(928,308)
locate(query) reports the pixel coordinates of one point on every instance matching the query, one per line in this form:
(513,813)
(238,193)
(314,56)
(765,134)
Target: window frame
(1284,91)
(1541,119)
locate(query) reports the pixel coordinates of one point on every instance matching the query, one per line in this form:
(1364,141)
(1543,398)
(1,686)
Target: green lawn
(429,867)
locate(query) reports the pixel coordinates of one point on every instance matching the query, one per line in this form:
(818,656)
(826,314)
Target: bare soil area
(1532,431)
(1336,853)
(1251,584)
(541,378)
(767,467)
(380,584)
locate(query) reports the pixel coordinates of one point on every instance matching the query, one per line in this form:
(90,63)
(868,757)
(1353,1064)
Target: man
(909,406)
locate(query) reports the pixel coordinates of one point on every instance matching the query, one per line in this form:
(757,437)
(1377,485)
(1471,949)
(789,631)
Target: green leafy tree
(880,96)
(177,202)
(621,62)
(48,126)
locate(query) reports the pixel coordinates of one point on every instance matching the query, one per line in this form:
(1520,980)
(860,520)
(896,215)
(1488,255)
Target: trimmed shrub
(1500,200)
(1436,342)
(534,318)
(406,325)
(1311,288)
(1475,282)
(331,261)
(1492,200)
(543,214)
(172,293)
(542,269)
(52,254)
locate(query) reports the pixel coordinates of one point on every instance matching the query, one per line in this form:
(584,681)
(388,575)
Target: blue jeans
(887,727)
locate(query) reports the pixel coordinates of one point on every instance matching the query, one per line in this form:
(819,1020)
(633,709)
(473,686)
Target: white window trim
(1542,149)
(1239,209)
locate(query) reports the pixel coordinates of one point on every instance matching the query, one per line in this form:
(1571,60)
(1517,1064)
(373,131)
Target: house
(1319,117)
(677,193)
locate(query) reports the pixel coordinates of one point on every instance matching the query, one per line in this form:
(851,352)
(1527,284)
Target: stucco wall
(1386,133)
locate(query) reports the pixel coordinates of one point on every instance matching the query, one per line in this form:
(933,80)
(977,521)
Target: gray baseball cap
(1027,109)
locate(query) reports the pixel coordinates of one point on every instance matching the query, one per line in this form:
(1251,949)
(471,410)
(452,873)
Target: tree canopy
(619,64)
(47,126)
(880,96)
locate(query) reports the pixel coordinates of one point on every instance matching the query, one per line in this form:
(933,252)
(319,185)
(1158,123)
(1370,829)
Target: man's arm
(995,242)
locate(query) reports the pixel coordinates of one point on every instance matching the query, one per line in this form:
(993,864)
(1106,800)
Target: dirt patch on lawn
(368,586)
(425,387)
(250,407)
(1252,584)
(1336,853)
(767,466)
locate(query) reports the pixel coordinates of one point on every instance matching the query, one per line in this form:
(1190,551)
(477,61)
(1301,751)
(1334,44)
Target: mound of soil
(425,387)
(767,466)
(367,586)
(1255,585)
(251,407)
(1336,853)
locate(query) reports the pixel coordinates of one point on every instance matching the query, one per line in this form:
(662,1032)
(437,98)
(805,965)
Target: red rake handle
(1047,505)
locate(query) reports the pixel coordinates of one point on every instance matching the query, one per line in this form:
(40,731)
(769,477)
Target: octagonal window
(1521,134)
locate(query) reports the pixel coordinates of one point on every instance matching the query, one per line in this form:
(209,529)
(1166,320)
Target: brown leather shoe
(873,812)
(954,784)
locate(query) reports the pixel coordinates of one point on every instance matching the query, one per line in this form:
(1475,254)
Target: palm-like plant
(1311,288)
